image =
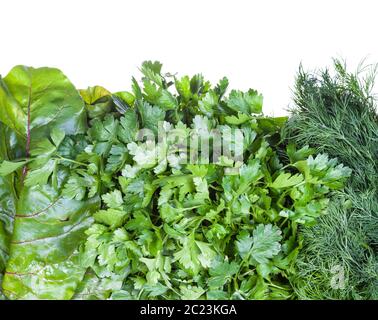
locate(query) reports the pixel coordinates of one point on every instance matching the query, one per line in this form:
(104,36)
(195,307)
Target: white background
(257,44)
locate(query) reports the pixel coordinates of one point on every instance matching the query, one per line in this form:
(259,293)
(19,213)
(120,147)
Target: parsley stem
(283,222)
(72,161)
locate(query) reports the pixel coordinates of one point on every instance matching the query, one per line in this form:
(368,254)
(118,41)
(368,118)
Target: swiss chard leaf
(8,199)
(47,96)
(44,260)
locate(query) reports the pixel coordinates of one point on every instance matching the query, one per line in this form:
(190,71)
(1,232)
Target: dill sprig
(336,113)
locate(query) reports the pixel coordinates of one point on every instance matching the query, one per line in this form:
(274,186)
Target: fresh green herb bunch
(336,113)
(169,229)
(102,213)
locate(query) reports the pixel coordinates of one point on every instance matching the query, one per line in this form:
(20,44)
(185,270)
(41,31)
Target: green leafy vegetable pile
(336,113)
(94,208)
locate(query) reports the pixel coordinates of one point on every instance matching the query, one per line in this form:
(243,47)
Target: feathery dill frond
(336,114)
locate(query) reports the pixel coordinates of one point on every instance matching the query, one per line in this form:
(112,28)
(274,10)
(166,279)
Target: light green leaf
(188,255)
(50,97)
(245,102)
(152,71)
(285,180)
(244,243)
(40,176)
(151,116)
(57,136)
(237,120)
(75,188)
(167,101)
(191,292)
(221,273)
(207,254)
(183,88)
(113,199)
(266,243)
(44,262)
(113,218)
(129,127)
(8,167)
(209,103)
